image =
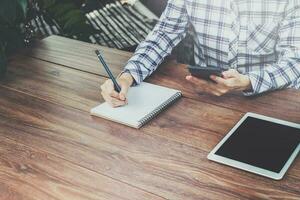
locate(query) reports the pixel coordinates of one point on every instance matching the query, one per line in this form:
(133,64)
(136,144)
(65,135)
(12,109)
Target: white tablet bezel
(240,165)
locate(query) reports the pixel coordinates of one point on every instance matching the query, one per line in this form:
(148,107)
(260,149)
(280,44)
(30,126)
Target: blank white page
(142,101)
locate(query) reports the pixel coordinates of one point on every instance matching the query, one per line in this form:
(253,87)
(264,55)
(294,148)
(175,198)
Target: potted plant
(12,15)
(13,26)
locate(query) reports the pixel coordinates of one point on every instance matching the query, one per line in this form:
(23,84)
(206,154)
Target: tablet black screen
(262,144)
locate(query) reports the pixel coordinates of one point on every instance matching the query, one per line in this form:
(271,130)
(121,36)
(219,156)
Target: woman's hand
(231,81)
(114,98)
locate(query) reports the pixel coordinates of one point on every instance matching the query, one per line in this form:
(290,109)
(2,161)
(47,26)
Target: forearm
(149,55)
(169,31)
(285,72)
(277,76)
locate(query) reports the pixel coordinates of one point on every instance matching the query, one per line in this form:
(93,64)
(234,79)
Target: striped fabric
(42,24)
(258,38)
(120,26)
(116,25)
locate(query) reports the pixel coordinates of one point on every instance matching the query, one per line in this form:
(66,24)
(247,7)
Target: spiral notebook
(144,103)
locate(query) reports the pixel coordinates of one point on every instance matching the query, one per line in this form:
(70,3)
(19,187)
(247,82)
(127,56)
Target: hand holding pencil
(111,96)
(115,91)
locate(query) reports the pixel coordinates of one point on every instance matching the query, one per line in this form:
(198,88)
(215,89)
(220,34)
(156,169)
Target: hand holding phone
(205,72)
(222,82)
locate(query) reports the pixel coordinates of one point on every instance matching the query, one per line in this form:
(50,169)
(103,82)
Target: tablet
(261,145)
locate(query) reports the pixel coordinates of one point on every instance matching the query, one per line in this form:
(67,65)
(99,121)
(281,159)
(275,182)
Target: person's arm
(169,31)
(286,71)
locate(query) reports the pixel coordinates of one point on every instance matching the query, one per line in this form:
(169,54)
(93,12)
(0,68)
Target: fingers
(124,90)
(232,80)
(197,81)
(111,96)
(113,102)
(229,83)
(218,79)
(231,73)
(108,88)
(208,87)
(204,86)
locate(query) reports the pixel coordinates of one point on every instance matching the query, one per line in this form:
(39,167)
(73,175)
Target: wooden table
(51,148)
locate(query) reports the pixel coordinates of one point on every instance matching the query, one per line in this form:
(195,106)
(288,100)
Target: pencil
(101,59)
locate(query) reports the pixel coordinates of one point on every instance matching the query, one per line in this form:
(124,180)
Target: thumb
(230,74)
(124,91)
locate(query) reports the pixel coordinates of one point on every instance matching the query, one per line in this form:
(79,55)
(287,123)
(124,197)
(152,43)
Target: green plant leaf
(72,19)
(59,10)
(45,4)
(73,14)
(23,6)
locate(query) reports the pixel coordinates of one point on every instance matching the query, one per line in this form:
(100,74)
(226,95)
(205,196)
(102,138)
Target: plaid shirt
(259,38)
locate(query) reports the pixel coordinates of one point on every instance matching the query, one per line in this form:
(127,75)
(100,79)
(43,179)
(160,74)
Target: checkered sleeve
(286,71)
(168,32)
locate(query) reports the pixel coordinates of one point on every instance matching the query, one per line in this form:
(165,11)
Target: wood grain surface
(158,165)
(77,55)
(168,74)
(26,173)
(51,148)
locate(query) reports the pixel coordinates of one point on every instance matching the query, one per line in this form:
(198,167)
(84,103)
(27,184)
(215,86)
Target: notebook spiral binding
(162,107)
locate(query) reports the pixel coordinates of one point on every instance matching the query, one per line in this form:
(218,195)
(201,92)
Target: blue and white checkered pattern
(259,38)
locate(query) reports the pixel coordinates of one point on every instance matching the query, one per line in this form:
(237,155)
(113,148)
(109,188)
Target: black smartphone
(205,72)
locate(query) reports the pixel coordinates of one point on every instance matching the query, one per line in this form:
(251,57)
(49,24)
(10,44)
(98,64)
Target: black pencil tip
(97,52)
